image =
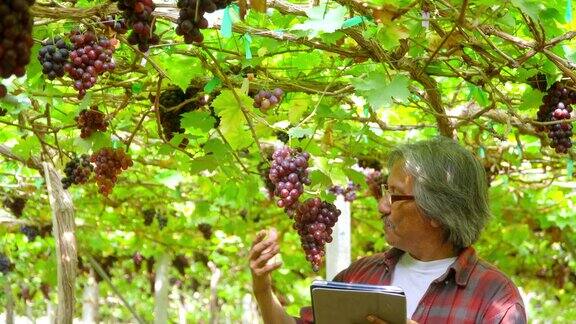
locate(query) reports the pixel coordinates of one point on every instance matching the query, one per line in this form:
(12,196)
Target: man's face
(403,222)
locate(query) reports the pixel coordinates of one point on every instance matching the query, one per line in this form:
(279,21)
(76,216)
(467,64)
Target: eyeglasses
(393,198)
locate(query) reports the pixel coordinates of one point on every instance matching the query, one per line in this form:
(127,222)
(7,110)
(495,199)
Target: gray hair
(449,187)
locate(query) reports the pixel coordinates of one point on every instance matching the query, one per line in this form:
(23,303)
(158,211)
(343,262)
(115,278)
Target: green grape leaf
(233,124)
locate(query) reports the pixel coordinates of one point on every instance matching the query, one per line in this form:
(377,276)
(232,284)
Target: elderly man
(434,206)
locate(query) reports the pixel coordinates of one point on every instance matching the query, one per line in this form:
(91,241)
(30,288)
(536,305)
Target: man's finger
(264,257)
(267,268)
(259,248)
(259,237)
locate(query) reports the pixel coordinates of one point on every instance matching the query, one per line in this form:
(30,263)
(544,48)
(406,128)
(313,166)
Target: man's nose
(384,207)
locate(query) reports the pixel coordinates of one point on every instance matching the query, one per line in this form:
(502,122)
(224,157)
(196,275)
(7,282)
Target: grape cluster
(162,220)
(3,111)
(375,180)
(5,264)
(90,57)
(77,171)
(118,25)
(171,111)
(266,100)
(289,174)
(3,93)
(206,230)
(16,41)
(138,15)
(53,56)
(349,192)
(30,231)
(191,20)
(282,136)
(137,258)
(90,121)
(149,215)
(181,263)
(556,106)
(109,163)
(314,220)
(369,163)
(15,204)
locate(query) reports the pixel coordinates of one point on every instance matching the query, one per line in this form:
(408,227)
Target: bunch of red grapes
(16,41)
(138,15)
(77,171)
(109,164)
(314,220)
(206,230)
(90,121)
(266,100)
(15,204)
(556,106)
(53,56)
(90,57)
(349,192)
(289,174)
(149,215)
(191,18)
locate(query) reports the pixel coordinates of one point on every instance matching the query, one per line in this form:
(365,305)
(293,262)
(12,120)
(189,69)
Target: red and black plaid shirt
(471,290)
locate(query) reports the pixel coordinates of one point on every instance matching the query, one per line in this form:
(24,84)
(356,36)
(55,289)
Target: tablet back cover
(338,306)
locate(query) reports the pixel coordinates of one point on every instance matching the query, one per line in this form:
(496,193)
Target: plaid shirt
(471,290)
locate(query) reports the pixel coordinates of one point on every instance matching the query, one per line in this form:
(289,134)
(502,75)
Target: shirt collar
(462,267)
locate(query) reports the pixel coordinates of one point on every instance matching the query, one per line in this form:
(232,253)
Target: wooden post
(338,251)
(9,302)
(214,278)
(64,234)
(90,300)
(161,286)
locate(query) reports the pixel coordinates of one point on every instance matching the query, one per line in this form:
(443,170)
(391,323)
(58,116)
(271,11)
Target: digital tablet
(344,303)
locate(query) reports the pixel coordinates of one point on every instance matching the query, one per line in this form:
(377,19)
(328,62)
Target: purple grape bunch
(289,174)
(266,100)
(556,106)
(314,220)
(349,192)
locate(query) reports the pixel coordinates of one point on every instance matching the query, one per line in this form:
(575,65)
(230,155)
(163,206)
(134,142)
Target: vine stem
(229,84)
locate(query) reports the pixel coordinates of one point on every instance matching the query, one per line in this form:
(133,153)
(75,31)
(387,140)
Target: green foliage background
(354,87)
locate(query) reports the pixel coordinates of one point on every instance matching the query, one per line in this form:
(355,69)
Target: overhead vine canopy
(177,108)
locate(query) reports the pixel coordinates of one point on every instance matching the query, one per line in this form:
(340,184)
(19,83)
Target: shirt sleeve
(515,314)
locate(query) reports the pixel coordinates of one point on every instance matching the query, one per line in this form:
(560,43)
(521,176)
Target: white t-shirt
(415,276)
